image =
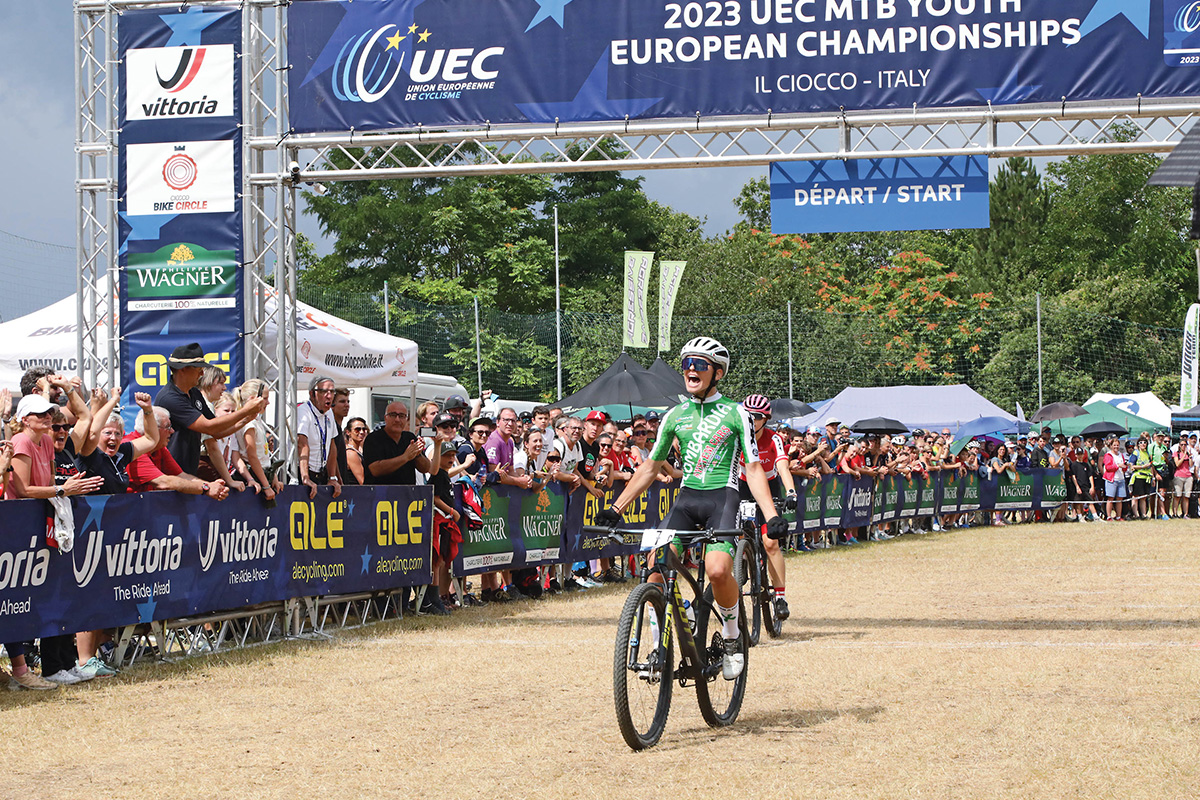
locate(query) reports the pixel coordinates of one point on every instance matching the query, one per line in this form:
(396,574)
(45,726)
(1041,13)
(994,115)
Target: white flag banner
(637,283)
(1189,366)
(670,273)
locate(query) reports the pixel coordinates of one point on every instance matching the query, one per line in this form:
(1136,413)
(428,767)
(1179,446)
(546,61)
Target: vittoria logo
(189,64)
(173,82)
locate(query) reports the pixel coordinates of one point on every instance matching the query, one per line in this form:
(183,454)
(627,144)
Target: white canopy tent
(326,345)
(1143,404)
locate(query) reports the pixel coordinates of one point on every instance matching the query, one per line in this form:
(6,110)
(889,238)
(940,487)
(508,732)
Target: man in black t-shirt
(392,455)
(190,415)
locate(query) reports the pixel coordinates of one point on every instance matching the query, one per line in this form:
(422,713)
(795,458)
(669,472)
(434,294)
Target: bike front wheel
(747,573)
(720,700)
(643,670)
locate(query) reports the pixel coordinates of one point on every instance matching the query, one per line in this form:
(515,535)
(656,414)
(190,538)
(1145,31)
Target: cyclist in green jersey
(713,433)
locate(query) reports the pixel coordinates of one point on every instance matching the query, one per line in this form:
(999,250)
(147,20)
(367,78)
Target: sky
(37,106)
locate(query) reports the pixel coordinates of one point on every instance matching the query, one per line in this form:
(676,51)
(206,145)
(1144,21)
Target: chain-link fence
(995,351)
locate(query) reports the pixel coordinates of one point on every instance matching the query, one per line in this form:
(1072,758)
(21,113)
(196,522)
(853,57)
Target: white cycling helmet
(708,348)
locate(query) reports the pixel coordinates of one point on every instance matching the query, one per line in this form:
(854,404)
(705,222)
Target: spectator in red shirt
(157,470)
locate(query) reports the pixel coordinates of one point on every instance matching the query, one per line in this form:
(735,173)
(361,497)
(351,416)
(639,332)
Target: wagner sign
(400,63)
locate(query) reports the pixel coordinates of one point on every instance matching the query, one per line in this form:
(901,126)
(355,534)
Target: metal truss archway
(269,192)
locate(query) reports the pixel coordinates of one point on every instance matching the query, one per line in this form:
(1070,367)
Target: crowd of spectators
(196,437)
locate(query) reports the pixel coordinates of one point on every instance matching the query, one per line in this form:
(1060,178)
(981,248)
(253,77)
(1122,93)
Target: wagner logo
(370,64)
(174,82)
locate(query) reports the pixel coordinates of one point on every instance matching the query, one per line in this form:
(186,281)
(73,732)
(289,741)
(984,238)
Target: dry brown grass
(1042,662)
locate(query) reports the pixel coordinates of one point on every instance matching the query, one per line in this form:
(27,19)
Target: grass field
(1033,661)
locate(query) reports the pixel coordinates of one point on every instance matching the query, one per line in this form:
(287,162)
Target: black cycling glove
(777,527)
(608,518)
(789,502)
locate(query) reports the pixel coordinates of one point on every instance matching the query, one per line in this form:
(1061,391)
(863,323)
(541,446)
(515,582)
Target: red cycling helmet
(757,404)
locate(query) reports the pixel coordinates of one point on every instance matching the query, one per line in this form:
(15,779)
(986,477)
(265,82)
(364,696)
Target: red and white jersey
(770,452)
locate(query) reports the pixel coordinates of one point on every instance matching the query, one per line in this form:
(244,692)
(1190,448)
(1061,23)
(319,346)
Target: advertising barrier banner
(879,194)
(162,555)
(401,63)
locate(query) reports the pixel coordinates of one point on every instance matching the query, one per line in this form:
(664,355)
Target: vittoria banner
(179,190)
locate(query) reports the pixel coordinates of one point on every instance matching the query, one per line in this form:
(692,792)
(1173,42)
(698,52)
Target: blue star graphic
(95,510)
(1136,11)
(146,610)
(361,17)
(166,329)
(591,102)
(366,557)
(1011,91)
(144,227)
(549,9)
(350,509)
(186,28)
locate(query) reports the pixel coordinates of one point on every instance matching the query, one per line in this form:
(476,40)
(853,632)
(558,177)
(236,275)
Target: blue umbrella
(985,425)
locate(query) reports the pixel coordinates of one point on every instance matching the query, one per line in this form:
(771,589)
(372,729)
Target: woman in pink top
(33,476)
(1114,478)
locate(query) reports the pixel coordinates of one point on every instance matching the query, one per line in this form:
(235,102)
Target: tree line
(1109,256)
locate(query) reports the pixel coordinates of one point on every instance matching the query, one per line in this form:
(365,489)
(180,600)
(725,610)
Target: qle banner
(180,169)
(378,64)
(880,194)
(161,555)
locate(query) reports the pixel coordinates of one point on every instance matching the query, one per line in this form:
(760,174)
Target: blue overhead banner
(378,64)
(880,194)
(179,173)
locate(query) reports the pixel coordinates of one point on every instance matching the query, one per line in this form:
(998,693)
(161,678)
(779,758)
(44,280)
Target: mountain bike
(753,578)
(643,660)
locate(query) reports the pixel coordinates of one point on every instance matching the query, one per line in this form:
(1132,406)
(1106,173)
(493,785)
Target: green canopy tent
(1100,411)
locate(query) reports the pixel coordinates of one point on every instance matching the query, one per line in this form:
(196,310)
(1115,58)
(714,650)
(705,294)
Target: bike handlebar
(687,537)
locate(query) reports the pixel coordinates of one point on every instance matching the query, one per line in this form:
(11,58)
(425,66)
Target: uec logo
(1187,19)
(363,73)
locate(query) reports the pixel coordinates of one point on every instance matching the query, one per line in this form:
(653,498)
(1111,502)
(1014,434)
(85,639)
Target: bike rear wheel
(766,598)
(746,571)
(720,700)
(643,670)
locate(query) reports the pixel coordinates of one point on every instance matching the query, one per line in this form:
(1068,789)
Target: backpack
(527,582)
(471,508)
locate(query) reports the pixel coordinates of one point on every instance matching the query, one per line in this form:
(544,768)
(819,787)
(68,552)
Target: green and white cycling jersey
(712,434)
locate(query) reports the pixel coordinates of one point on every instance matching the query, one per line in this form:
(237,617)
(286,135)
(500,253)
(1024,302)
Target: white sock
(729,621)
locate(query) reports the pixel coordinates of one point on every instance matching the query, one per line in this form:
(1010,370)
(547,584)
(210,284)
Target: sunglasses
(479,433)
(448,425)
(554,458)
(697,364)
(605,446)
(60,428)
(640,432)
(358,430)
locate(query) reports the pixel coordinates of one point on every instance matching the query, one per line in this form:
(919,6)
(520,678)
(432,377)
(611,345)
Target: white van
(371,403)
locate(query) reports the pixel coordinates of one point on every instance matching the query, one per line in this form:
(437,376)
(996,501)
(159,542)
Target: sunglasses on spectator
(479,432)
(359,429)
(574,427)
(605,445)
(60,428)
(448,425)
(554,458)
(640,432)
(697,364)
